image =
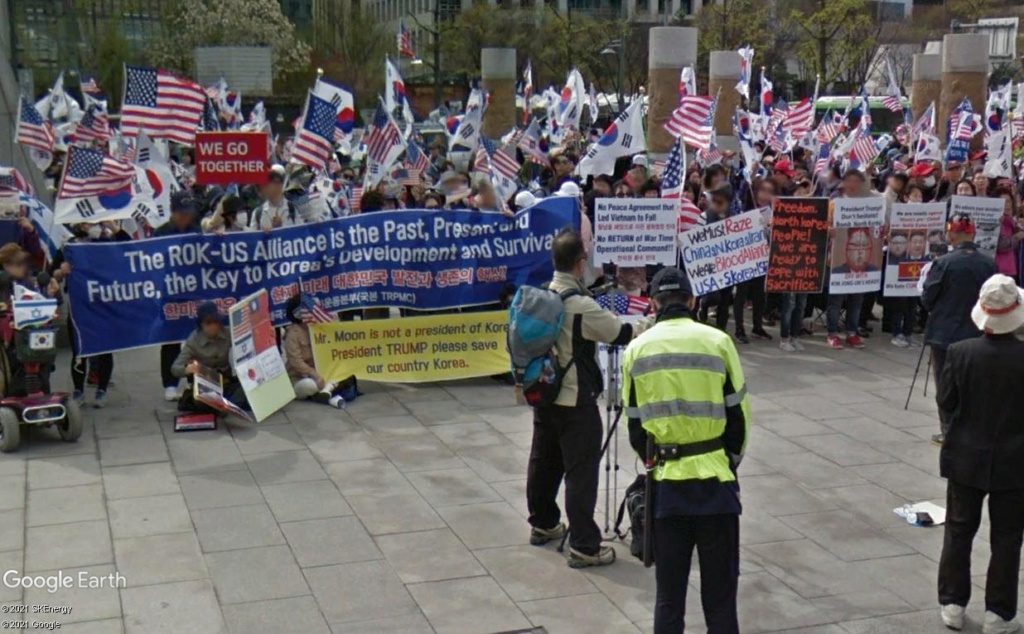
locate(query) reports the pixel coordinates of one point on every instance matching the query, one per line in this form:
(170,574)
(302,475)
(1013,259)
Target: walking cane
(914,380)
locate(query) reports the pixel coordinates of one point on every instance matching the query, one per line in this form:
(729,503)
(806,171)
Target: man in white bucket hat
(982,456)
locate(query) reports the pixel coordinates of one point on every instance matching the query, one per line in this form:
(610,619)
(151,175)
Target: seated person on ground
(209,345)
(298,349)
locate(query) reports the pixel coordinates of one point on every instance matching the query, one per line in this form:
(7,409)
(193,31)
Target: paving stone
(65,505)
(359,592)
(12,492)
(59,546)
(12,527)
(255,439)
(106,626)
(386,427)
(305,500)
(444,413)
(861,605)
(336,540)
(236,527)
(926,621)
(133,450)
(413,624)
(140,480)
(220,490)
(128,423)
(285,466)
(845,536)
(509,420)
(769,605)
(788,424)
(467,606)
(155,515)
(811,470)
(86,603)
(354,445)
(497,463)
(843,450)
(465,437)
(297,614)
(419,452)
(428,556)
(160,559)
(65,471)
(401,512)
(199,452)
(778,495)
(188,606)
(368,477)
(526,577)
(592,613)
(375,405)
(256,574)
(903,480)
(452,486)
(486,525)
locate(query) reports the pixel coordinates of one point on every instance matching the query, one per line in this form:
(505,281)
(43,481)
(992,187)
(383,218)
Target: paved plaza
(406,513)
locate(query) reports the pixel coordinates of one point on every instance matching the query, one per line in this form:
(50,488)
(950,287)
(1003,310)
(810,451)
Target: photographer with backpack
(567,429)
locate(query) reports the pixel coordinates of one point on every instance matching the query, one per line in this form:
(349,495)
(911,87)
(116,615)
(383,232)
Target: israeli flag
(32,308)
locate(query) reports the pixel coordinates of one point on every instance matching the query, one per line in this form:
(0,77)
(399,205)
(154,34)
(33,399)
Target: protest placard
(130,294)
(796,259)
(635,231)
(208,388)
(413,349)
(857,245)
(258,363)
(915,230)
(725,253)
(986,213)
(223,158)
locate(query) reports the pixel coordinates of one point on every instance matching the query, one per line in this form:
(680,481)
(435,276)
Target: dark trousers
(938,362)
(963,515)
(901,310)
(168,353)
(754,291)
(101,364)
(566,443)
(717,538)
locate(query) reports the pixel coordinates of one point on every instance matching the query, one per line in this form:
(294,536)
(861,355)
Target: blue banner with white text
(131,294)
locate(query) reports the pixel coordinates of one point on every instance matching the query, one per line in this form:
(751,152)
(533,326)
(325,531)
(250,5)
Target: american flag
(382,137)
(210,121)
(161,103)
(530,144)
(672,187)
(800,118)
(963,128)
(11,180)
(88,172)
(241,320)
(503,163)
(415,159)
(313,312)
(405,41)
(315,140)
(711,156)
(899,167)
(89,86)
(893,103)
(623,304)
(33,130)
(406,177)
(824,154)
(692,121)
(94,126)
(863,148)
(355,198)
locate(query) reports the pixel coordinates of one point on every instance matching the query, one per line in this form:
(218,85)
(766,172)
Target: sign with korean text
(635,231)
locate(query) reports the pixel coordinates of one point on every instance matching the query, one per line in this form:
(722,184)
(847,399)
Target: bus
(883,120)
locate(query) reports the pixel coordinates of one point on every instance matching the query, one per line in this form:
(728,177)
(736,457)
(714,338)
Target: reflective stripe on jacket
(684,382)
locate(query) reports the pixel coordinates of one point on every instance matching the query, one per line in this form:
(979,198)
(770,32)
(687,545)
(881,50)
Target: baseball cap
(183,201)
(640,160)
(783,166)
(670,279)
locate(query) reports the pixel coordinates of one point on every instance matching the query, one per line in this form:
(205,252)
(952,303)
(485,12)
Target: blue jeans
(791,315)
(853,302)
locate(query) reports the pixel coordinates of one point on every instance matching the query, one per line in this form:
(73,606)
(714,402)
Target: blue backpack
(534,321)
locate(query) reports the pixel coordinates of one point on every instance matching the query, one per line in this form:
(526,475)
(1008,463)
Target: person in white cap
(982,455)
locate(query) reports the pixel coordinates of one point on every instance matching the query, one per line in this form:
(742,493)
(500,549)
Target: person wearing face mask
(101,365)
(276,210)
(227,217)
(567,435)
(208,346)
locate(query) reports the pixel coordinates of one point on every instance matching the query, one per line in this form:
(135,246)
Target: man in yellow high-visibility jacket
(682,383)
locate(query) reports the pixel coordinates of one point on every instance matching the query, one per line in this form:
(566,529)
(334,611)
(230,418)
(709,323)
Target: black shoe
(760,332)
(865,333)
(742,337)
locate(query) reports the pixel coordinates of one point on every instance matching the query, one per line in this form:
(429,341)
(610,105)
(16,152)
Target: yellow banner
(413,349)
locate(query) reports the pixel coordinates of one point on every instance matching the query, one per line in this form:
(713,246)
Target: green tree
(193,23)
(106,60)
(729,24)
(833,34)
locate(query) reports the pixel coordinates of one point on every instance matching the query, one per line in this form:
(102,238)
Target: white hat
(569,189)
(640,159)
(525,199)
(1000,307)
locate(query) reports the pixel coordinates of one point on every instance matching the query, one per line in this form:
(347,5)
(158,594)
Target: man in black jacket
(981,456)
(950,291)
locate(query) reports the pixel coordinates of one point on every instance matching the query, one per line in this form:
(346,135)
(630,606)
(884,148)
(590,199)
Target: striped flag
(892,99)
(94,126)
(963,128)
(315,139)
(899,166)
(33,131)
(313,312)
(405,41)
(893,103)
(415,159)
(800,118)
(863,149)
(161,103)
(88,172)
(530,144)
(89,86)
(383,136)
(692,120)
(623,304)
(12,181)
(672,186)
(500,160)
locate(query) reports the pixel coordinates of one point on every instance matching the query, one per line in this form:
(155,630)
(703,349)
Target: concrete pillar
(671,48)
(723,73)
(964,74)
(925,82)
(498,76)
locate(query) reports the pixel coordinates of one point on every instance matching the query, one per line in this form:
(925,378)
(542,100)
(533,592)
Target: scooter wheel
(70,429)
(10,430)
